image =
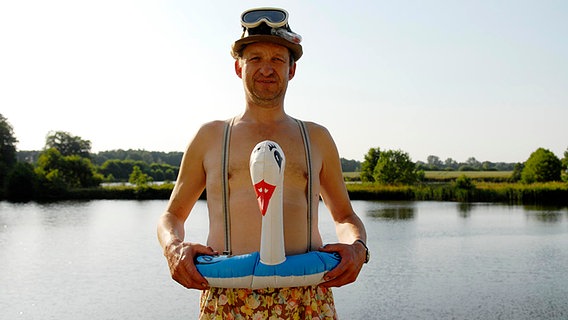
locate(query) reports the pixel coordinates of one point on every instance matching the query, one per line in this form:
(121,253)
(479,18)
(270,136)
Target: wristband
(367,253)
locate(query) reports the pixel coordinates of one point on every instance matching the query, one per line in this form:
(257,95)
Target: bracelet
(367,253)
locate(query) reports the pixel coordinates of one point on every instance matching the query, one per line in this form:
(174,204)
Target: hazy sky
(456,79)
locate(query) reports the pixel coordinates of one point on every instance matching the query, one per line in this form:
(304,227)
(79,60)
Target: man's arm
(171,233)
(349,227)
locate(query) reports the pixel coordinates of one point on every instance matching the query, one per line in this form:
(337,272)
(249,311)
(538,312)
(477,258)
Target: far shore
(551,193)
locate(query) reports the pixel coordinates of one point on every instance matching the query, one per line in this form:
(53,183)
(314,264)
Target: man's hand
(181,256)
(352,259)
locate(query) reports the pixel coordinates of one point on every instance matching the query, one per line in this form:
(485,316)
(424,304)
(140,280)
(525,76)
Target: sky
(456,79)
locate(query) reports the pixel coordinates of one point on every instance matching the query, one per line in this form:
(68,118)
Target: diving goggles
(273,17)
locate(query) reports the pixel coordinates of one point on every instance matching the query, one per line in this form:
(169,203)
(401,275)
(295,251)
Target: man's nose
(266,69)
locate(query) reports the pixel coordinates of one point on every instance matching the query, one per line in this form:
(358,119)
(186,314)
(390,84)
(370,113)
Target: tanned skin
(265,70)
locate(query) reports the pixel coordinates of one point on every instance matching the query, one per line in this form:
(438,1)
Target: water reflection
(397,212)
(546,214)
(464,209)
(70,213)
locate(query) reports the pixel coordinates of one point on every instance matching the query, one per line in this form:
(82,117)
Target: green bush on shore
(512,193)
(554,193)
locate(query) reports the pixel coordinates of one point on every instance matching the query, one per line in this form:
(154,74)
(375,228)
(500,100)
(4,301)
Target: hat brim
(237,47)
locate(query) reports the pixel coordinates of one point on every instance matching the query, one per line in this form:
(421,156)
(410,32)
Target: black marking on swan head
(277,155)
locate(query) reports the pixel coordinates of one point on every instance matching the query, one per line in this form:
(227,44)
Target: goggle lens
(272,17)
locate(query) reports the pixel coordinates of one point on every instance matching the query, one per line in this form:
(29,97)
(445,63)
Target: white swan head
(267,164)
(267,171)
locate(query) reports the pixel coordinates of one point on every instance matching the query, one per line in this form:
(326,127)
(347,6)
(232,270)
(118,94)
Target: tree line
(394,167)
(67,163)
(434,163)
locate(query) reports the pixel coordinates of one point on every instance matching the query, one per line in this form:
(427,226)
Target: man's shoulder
(212,126)
(315,129)
(208,134)
(310,124)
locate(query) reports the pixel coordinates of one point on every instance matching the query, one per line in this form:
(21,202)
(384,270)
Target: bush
(542,166)
(395,167)
(464,182)
(368,166)
(21,183)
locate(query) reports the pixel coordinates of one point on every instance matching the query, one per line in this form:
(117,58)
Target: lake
(430,260)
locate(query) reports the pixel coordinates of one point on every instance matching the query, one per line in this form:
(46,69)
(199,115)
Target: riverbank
(551,193)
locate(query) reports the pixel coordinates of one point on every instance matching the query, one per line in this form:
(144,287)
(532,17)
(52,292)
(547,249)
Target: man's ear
(292,71)
(238,68)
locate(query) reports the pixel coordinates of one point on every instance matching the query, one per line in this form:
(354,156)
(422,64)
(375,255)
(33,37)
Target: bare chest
(243,205)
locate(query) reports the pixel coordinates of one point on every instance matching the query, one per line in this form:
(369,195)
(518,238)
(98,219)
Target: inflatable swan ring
(270,268)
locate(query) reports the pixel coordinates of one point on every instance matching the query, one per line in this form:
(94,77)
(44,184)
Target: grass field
(446,175)
(450,175)
(351,175)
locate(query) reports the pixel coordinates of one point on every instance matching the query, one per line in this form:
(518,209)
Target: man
(265,60)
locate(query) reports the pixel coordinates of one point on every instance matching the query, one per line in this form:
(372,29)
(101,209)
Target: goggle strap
(283,33)
(287,35)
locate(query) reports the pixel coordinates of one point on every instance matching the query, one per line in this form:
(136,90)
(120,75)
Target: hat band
(282,32)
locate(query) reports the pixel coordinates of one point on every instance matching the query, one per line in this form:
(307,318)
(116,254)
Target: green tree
(434,163)
(21,183)
(517,171)
(121,169)
(565,165)
(66,172)
(158,175)
(171,158)
(464,182)
(350,165)
(170,175)
(395,167)
(368,165)
(138,177)
(472,162)
(7,150)
(68,145)
(542,166)
(451,164)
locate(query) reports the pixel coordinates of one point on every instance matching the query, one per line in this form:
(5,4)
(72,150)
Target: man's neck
(264,113)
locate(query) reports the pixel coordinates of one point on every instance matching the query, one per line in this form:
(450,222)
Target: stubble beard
(267,97)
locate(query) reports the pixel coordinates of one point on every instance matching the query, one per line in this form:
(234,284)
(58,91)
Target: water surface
(430,260)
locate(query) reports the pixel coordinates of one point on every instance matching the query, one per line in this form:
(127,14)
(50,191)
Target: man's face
(265,70)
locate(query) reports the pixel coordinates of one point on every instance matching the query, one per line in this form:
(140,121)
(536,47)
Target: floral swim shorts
(315,302)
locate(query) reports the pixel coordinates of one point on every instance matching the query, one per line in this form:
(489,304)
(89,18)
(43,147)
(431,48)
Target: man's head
(267,25)
(265,69)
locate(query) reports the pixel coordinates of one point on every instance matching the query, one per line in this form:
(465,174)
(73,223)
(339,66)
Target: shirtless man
(265,63)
